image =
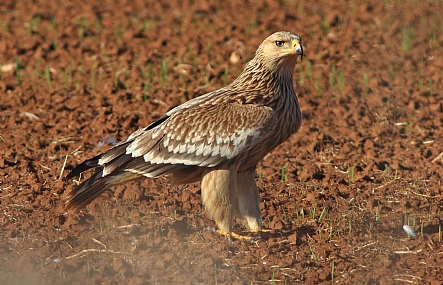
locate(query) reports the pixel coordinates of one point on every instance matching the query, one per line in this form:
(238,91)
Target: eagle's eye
(279,43)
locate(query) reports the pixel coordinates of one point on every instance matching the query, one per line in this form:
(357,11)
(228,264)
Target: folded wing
(202,135)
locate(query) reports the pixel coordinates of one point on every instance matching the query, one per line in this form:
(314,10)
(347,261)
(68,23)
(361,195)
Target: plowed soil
(76,76)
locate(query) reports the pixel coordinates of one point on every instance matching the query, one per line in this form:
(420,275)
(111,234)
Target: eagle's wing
(202,135)
(206,135)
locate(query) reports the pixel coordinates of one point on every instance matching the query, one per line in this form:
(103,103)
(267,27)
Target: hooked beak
(298,48)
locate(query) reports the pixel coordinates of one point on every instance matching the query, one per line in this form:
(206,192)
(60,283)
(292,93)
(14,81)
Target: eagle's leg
(216,187)
(225,193)
(248,211)
(248,198)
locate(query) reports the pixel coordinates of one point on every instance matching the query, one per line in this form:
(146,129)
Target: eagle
(217,138)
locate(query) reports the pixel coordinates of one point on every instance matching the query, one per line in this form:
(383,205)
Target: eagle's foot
(233,235)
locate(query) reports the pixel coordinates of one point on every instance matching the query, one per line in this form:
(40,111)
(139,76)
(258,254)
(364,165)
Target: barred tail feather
(90,189)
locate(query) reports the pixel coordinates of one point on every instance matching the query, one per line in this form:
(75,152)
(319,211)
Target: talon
(273,231)
(231,234)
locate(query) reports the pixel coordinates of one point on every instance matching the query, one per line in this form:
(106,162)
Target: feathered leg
(248,198)
(217,186)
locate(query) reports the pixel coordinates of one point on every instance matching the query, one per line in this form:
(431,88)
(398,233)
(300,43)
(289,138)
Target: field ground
(367,160)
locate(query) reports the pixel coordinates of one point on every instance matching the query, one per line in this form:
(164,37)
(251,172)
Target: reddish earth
(367,160)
